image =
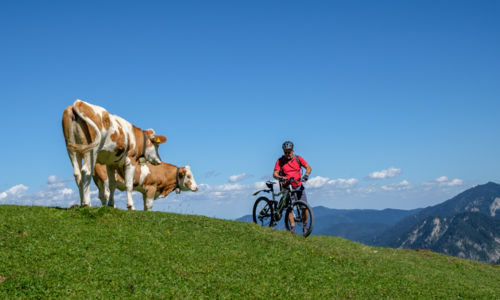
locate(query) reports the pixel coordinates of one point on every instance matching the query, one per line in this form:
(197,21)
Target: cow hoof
(131,208)
(113,206)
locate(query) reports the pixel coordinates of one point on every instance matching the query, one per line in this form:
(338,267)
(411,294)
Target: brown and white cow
(94,135)
(151,181)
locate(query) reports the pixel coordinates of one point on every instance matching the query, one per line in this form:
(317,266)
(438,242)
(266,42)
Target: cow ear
(182,173)
(157,139)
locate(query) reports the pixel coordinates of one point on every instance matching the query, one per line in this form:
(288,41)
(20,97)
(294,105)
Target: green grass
(102,253)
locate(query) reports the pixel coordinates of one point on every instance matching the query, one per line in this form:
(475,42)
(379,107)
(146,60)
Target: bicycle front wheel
(263,212)
(301,213)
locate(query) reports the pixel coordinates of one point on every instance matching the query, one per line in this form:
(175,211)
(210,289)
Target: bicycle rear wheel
(263,213)
(299,208)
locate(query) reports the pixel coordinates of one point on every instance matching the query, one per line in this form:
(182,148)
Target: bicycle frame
(279,207)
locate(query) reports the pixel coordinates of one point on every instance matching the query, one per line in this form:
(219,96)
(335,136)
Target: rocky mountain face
(470,235)
(482,198)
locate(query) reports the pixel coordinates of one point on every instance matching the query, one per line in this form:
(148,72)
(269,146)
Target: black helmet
(287,145)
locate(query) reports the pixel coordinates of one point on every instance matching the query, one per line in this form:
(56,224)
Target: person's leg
(291,219)
(301,195)
(305,215)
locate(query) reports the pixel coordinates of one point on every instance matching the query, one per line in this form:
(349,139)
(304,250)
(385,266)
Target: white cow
(94,135)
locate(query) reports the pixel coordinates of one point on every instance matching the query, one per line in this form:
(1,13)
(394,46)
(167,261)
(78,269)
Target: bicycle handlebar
(292,179)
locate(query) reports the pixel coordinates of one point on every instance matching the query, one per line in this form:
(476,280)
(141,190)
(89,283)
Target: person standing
(288,166)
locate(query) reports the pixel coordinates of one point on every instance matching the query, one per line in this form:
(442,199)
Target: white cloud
(370,189)
(316,182)
(453,182)
(260,185)
(14,192)
(240,177)
(223,191)
(442,181)
(230,187)
(343,183)
(389,173)
(55,192)
(335,184)
(403,185)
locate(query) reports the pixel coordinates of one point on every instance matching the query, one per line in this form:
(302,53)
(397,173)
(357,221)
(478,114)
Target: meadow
(99,252)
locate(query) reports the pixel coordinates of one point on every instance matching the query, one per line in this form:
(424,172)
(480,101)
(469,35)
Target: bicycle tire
(298,220)
(263,212)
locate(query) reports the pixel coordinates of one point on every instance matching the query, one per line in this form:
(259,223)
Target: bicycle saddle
(270,183)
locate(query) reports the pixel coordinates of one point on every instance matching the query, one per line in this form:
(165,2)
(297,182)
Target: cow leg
(129,182)
(87,172)
(148,198)
(76,165)
(111,185)
(86,177)
(76,161)
(78,177)
(102,188)
(106,193)
(144,199)
(70,134)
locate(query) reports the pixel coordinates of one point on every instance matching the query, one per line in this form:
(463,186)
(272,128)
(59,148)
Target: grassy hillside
(105,253)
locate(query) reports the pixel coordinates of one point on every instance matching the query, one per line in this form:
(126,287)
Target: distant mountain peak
(483,198)
(470,235)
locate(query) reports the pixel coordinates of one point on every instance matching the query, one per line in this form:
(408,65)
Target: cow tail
(89,147)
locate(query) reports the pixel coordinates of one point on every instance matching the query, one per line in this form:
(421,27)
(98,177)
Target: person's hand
(282,179)
(305,178)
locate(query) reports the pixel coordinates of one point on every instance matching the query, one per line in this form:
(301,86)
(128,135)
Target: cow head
(153,141)
(186,180)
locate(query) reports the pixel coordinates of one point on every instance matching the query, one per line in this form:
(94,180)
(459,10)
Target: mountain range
(353,224)
(481,198)
(465,226)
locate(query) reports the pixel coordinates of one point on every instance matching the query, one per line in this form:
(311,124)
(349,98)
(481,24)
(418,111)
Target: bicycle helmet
(287,145)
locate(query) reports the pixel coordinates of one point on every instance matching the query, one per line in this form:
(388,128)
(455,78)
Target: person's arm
(277,168)
(281,179)
(308,171)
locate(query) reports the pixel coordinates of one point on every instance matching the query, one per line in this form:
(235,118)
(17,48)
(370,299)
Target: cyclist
(288,166)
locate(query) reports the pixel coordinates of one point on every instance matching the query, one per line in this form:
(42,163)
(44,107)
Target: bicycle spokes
(263,212)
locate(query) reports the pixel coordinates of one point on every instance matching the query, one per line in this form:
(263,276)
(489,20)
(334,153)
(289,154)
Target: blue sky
(359,87)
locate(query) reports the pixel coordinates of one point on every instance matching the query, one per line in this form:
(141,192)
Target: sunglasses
(288,152)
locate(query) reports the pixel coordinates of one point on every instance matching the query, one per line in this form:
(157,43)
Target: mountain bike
(268,212)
